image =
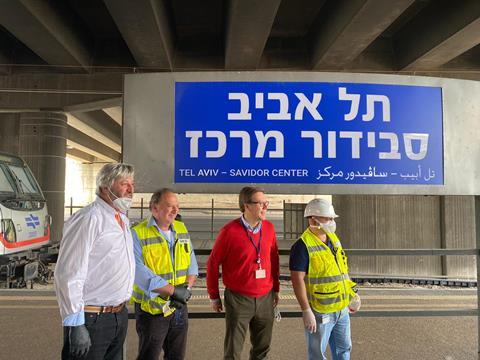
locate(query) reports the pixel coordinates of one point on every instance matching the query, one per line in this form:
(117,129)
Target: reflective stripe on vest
(151,241)
(327,279)
(329,287)
(156,256)
(315,248)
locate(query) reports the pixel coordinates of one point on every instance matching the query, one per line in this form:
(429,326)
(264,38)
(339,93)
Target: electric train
(24,222)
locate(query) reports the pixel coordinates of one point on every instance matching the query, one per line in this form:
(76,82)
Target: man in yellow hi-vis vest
(319,273)
(166,269)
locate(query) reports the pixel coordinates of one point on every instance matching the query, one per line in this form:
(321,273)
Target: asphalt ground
(31,327)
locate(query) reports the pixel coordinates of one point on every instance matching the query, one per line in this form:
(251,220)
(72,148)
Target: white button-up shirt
(96,265)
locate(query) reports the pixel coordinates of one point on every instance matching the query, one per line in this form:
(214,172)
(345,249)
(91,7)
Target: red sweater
(236,254)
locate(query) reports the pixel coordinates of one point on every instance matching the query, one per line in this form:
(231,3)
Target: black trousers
(107,333)
(156,332)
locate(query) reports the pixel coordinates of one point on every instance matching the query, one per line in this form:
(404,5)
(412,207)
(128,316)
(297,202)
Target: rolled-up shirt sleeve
(79,233)
(145,279)
(193,268)
(74,319)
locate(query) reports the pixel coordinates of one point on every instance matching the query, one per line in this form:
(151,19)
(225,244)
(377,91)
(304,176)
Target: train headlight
(8,231)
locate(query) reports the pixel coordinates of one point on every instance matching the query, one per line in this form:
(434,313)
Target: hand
(309,320)
(355,304)
(176,304)
(276,299)
(79,340)
(217,305)
(181,293)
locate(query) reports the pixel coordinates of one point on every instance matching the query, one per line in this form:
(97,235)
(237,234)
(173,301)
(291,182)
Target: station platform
(31,327)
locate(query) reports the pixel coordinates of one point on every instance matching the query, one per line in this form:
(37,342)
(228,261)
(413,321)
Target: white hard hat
(320,207)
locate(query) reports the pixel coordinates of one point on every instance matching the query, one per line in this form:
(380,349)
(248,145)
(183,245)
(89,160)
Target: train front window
(25,183)
(5,185)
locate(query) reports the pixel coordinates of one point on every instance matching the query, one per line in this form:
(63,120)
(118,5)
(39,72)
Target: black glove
(176,304)
(79,340)
(181,293)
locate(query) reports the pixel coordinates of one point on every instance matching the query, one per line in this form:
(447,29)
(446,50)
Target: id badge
(166,309)
(260,274)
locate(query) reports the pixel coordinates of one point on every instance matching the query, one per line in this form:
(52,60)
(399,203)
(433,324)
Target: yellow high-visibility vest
(329,287)
(156,256)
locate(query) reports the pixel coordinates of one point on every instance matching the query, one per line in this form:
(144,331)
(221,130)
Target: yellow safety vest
(156,256)
(329,287)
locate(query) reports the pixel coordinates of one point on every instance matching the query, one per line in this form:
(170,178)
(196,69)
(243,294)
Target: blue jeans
(333,329)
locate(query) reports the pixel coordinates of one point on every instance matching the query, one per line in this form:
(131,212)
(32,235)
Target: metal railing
(216,216)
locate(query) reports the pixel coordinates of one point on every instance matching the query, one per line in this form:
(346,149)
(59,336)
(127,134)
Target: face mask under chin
(122,204)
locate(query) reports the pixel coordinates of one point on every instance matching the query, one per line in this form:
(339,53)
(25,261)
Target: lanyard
(257,248)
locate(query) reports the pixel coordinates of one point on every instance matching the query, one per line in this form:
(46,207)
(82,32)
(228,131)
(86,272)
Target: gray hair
(158,195)
(111,172)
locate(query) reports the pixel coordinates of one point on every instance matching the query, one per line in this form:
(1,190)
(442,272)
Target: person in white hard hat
(319,273)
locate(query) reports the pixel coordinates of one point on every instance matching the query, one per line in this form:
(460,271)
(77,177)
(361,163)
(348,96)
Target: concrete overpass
(70,56)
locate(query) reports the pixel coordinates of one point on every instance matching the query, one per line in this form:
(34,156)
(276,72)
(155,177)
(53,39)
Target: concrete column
(42,143)
(9,129)
(458,232)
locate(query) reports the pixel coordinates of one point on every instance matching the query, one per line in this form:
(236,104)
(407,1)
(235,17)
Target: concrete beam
(110,84)
(249,23)
(80,155)
(102,123)
(351,26)
(57,91)
(115,113)
(204,62)
(95,105)
(440,33)
(47,32)
(85,143)
(466,62)
(145,27)
(92,132)
(378,57)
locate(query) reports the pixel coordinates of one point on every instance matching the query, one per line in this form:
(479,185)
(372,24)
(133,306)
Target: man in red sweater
(246,248)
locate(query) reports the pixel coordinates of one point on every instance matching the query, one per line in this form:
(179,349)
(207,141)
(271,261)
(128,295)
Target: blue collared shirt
(255,229)
(144,277)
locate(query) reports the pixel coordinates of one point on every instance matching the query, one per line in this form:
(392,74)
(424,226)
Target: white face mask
(328,227)
(121,204)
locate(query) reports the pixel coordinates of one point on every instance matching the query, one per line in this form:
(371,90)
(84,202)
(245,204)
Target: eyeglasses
(261,203)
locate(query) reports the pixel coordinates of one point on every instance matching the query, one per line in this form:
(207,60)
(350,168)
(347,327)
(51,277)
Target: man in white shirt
(95,270)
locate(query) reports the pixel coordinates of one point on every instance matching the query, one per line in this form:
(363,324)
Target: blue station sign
(308,133)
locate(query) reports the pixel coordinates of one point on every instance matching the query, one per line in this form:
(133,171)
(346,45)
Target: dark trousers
(256,314)
(156,332)
(107,333)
